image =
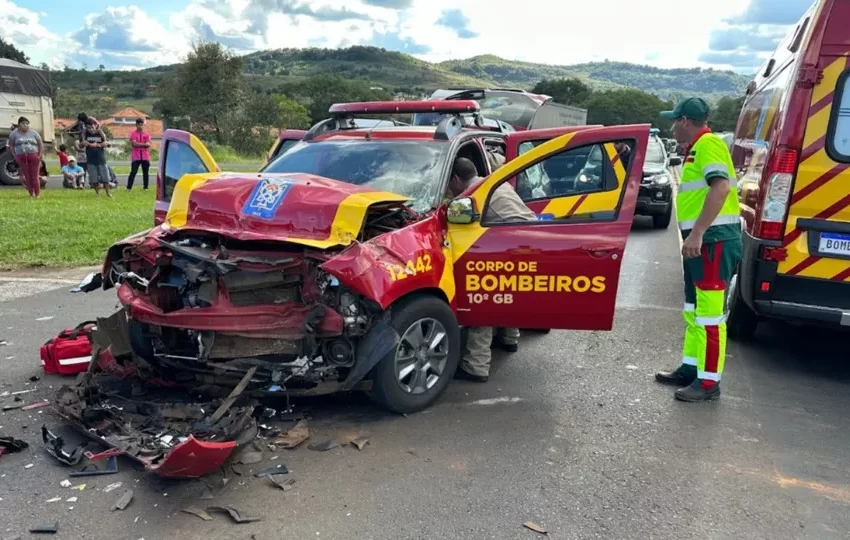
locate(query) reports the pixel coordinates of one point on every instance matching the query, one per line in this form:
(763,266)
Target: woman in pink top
(140,141)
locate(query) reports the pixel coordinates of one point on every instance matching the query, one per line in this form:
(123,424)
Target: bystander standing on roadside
(95,144)
(140,155)
(27,148)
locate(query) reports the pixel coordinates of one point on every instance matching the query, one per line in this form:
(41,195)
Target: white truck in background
(24,91)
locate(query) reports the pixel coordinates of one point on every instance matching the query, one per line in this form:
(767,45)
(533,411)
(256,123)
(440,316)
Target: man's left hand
(692,246)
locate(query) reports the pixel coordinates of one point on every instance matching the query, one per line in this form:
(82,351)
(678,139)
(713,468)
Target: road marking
(13,289)
(35,280)
(830,492)
(496,401)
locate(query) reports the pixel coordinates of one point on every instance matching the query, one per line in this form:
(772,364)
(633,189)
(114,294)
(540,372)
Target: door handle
(600,252)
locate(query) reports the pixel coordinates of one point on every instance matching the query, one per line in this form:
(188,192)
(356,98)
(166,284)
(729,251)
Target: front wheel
(413,375)
(741,321)
(9,173)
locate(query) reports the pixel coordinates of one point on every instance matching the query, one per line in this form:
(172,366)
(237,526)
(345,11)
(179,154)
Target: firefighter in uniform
(504,206)
(709,221)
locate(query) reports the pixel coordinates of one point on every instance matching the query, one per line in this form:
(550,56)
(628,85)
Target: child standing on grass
(63,155)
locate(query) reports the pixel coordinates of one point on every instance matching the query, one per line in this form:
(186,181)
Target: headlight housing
(659,179)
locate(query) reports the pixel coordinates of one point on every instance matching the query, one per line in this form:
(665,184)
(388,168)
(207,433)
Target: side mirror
(675,161)
(462,211)
(89,283)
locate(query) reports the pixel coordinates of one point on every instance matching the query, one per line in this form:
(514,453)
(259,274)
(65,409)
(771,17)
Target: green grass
(67,228)
(245,166)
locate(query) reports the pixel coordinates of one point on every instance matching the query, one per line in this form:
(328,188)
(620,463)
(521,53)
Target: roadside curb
(57,275)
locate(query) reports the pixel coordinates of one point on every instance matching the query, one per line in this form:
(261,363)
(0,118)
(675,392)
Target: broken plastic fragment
(79,487)
(285,484)
(196,512)
(125,500)
(206,494)
(360,442)
(248,455)
(65,483)
(112,487)
(234,514)
(29,466)
(324,446)
(296,435)
(54,499)
(71,500)
(535,527)
(277,469)
(48,528)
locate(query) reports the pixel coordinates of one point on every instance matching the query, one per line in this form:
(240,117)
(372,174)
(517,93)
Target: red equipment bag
(69,352)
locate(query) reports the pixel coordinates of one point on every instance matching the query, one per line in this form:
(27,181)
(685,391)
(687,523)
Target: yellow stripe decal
(593,202)
(178,210)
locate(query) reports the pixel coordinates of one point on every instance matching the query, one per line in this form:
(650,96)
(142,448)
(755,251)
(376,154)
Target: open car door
(562,269)
(285,141)
(180,153)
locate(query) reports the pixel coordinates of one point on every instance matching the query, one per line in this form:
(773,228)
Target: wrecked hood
(298,208)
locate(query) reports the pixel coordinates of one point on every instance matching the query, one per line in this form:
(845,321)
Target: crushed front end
(204,306)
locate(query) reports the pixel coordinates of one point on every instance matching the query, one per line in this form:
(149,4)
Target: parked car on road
(655,197)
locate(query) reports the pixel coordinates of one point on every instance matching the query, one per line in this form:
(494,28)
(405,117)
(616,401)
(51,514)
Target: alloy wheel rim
(421,356)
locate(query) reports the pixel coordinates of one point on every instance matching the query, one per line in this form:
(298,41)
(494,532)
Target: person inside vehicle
(504,206)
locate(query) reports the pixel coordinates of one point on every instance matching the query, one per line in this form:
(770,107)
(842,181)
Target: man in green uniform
(708,216)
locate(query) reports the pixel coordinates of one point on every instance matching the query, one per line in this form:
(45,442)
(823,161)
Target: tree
(628,106)
(8,50)
(292,115)
(207,87)
(567,91)
(725,114)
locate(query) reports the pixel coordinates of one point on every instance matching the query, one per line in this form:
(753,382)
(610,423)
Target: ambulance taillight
(776,194)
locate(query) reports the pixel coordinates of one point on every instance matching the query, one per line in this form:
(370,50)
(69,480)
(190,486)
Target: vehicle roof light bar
(404,107)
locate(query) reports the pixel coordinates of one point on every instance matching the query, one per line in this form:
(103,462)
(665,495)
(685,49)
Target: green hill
(395,71)
(604,75)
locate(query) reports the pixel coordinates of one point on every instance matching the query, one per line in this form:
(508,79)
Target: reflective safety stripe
(708,376)
(689,360)
(700,183)
(710,321)
(715,168)
(688,224)
(690,307)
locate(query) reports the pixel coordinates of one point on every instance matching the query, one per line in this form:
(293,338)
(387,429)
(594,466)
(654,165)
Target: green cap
(694,108)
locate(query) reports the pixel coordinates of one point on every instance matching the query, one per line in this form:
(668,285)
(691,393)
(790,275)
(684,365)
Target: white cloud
(549,31)
(23,28)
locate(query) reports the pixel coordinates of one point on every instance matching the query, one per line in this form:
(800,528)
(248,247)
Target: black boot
(698,391)
(464,375)
(682,376)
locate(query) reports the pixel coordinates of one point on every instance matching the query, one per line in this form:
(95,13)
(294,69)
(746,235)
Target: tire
(410,394)
(741,321)
(663,221)
(9,175)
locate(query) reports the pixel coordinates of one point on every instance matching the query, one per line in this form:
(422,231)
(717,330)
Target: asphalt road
(571,433)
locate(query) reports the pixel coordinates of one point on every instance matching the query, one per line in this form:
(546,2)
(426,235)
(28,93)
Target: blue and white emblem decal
(266,198)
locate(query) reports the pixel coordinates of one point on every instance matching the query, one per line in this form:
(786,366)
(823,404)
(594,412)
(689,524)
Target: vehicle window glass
(180,159)
(568,178)
(510,107)
(655,152)
(841,129)
(579,170)
(284,146)
(408,168)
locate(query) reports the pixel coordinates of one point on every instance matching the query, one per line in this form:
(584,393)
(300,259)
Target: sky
(722,34)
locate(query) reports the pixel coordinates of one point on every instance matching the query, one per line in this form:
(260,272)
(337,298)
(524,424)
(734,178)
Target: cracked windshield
(412,269)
